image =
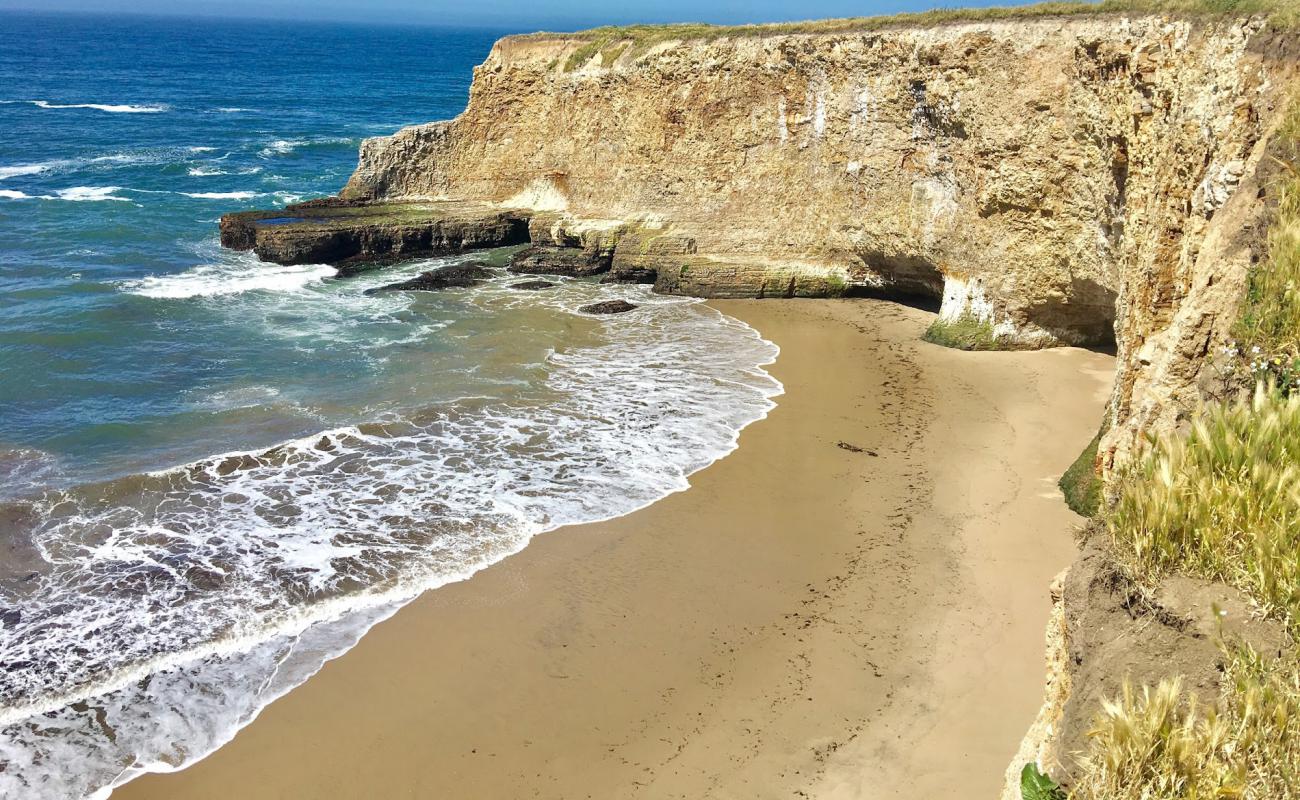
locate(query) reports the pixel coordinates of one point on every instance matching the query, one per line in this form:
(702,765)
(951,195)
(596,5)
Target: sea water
(216,474)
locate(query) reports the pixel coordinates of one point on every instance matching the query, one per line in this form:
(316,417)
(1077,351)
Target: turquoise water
(215,474)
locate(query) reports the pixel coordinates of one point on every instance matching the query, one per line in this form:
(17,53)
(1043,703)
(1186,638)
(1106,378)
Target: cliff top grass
(1284,14)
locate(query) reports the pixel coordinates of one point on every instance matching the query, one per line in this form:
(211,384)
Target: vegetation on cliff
(966,332)
(1222,502)
(612,41)
(1269,330)
(1080,484)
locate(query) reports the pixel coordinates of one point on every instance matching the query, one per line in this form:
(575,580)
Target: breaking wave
(208,280)
(87,194)
(111,109)
(230,580)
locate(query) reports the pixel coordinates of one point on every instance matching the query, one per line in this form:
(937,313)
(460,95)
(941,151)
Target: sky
(508,14)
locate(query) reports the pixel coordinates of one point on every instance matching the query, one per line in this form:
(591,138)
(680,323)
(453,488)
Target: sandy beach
(850,605)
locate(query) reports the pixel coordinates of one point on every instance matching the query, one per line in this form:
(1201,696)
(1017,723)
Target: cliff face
(1018,170)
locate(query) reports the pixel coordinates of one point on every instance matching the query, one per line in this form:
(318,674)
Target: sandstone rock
(451,276)
(358,233)
(608,307)
(997,166)
(532,286)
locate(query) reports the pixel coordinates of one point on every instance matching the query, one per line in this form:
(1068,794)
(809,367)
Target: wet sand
(851,605)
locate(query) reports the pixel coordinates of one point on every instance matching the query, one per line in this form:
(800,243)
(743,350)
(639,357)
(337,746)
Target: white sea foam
(202,172)
(87,194)
(112,109)
(22,169)
(10,194)
(282,147)
(208,280)
(258,567)
(222,195)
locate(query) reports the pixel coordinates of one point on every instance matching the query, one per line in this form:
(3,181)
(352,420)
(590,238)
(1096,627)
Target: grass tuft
(1222,503)
(967,332)
(1156,743)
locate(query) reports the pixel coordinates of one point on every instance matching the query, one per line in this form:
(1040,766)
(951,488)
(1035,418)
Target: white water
(207,280)
(111,109)
(231,580)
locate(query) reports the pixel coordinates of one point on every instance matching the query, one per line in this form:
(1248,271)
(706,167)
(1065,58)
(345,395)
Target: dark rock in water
(568,261)
(631,275)
(453,276)
(608,307)
(532,286)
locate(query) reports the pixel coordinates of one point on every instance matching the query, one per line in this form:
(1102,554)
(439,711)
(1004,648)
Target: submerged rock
(608,307)
(453,276)
(567,261)
(532,286)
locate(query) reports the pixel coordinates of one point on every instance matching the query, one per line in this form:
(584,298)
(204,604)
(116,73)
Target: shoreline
(806,617)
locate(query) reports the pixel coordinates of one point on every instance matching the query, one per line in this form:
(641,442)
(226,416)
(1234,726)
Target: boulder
(568,261)
(532,286)
(453,276)
(608,307)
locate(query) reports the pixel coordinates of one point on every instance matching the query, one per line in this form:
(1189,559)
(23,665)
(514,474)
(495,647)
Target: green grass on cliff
(1268,334)
(611,41)
(967,332)
(1221,502)
(1080,484)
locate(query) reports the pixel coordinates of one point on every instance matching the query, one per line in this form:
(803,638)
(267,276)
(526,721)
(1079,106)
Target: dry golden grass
(639,38)
(1156,743)
(1222,503)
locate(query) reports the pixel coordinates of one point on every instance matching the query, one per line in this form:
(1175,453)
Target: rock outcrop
(454,276)
(608,307)
(354,234)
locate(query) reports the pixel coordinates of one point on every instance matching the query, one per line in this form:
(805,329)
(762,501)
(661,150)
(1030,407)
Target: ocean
(216,474)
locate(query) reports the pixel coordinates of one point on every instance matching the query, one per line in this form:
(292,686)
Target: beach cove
(851,604)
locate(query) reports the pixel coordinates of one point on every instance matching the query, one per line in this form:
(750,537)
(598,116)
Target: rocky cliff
(1045,176)
(1012,169)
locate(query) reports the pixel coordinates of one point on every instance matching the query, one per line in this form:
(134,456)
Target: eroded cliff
(1013,169)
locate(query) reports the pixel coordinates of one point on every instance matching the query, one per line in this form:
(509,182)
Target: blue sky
(511,14)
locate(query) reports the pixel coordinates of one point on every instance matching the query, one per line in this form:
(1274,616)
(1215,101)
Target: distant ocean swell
(165,610)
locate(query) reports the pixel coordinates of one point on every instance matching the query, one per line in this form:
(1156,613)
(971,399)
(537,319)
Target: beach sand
(851,605)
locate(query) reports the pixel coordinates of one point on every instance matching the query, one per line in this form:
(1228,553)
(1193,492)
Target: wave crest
(209,280)
(106,107)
